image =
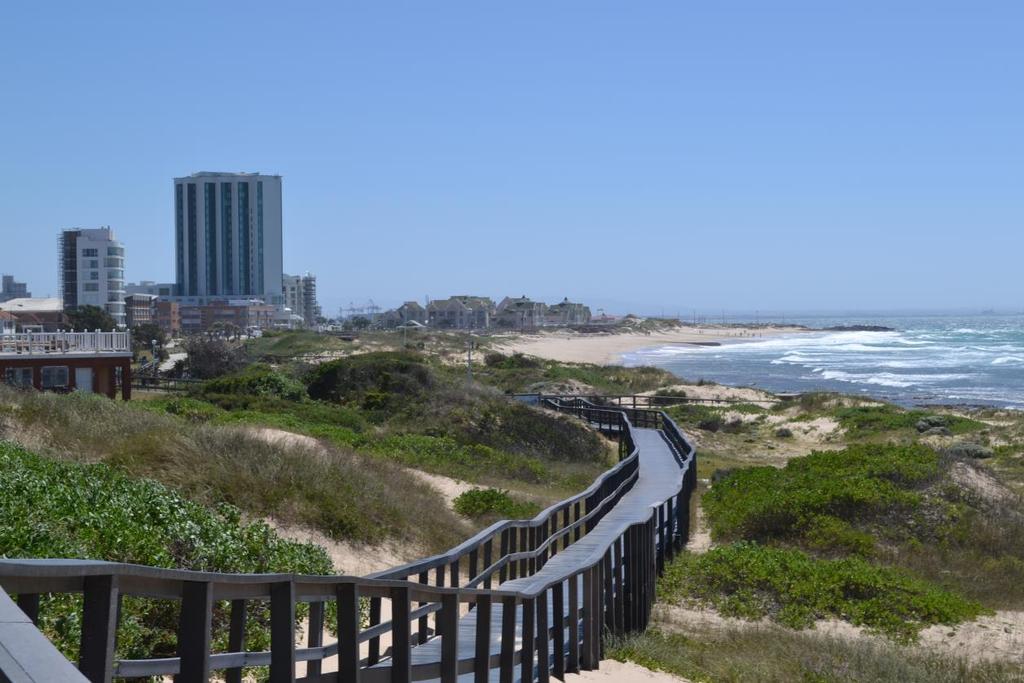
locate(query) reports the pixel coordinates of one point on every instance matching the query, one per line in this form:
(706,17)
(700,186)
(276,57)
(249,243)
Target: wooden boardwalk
(659,479)
(521,601)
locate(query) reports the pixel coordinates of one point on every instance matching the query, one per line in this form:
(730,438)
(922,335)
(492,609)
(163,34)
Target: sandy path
(604,349)
(623,672)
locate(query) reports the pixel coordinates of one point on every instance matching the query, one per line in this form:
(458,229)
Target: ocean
(927,359)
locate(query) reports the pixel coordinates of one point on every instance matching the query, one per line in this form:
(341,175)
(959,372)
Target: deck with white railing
(32,344)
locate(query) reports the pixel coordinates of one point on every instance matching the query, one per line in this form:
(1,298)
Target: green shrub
(54,509)
(256,380)
(863,421)
(752,581)
(815,498)
(380,380)
(488,502)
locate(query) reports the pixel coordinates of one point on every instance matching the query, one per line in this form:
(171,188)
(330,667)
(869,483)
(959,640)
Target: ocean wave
(891,379)
(1006,360)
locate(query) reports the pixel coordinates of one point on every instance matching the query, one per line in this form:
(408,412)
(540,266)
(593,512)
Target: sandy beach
(607,349)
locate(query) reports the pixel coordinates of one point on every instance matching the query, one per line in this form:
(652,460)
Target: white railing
(44,343)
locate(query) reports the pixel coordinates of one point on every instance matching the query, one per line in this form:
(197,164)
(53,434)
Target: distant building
(568,313)
(140,309)
(92,271)
(520,313)
(228,236)
(161,289)
(408,313)
(97,362)
(168,317)
(244,314)
(11,289)
(461,312)
(300,296)
(37,315)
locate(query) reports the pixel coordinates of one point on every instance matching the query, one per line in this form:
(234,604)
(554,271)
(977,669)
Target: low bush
(376,381)
(53,509)
(753,581)
(866,421)
(256,380)
(814,499)
(493,502)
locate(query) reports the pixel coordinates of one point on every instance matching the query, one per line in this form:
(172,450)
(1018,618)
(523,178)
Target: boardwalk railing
(520,601)
(46,343)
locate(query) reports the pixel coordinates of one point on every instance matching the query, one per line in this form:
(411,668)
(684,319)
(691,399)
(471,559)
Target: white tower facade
(228,235)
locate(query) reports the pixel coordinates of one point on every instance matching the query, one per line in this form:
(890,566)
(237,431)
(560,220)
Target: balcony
(28,344)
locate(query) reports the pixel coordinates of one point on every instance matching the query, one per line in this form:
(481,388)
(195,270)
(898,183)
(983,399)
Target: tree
(209,358)
(143,336)
(89,318)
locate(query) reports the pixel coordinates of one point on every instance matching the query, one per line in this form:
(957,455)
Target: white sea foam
(1006,360)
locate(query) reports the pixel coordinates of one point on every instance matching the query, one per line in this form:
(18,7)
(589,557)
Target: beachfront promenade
(521,601)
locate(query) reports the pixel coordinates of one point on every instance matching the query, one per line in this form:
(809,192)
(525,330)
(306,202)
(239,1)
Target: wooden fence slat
(348,632)
(194,631)
(236,638)
(508,640)
(482,653)
(401,636)
(99,628)
(282,632)
(450,638)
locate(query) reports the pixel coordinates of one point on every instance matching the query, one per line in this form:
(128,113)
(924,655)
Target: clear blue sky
(638,155)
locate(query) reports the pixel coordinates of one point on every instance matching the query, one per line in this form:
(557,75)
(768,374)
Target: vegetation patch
(752,581)
(866,421)
(53,509)
(775,655)
(479,503)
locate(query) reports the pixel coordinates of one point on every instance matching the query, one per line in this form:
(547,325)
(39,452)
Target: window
(18,377)
(92,263)
(55,376)
(115,251)
(90,252)
(91,287)
(94,275)
(113,262)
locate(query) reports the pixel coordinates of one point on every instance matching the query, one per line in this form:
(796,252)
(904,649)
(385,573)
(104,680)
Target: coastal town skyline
(842,189)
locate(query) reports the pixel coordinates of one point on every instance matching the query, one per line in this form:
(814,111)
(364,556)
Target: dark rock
(784,432)
(966,449)
(937,431)
(931,422)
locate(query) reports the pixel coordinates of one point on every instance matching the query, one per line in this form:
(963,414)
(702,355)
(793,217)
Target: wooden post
(508,640)
(401,636)
(373,655)
(194,626)
(315,638)
(450,638)
(29,604)
(236,638)
(99,628)
(529,641)
(558,639)
(617,588)
(282,632)
(482,654)
(503,548)
(670,520)
(587,662)
(488,560)
(543,633)
(348,633)
(422,627)
(572,664)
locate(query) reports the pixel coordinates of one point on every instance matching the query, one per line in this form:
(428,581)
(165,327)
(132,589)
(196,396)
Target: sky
(643,157)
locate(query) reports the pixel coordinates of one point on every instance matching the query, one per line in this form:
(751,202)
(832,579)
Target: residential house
(168,317)
(8,323)
(520,313)
(568,313)
(461,312)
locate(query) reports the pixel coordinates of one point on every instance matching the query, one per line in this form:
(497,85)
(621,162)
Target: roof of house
(4,315)
(33,305)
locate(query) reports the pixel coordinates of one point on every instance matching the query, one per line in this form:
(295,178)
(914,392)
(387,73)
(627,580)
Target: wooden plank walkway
(659,479)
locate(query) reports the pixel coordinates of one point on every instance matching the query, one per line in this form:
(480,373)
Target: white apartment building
(92,271)
(228,236)
(300,296)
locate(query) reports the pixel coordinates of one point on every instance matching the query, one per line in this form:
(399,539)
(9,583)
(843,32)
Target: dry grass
(345,495)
